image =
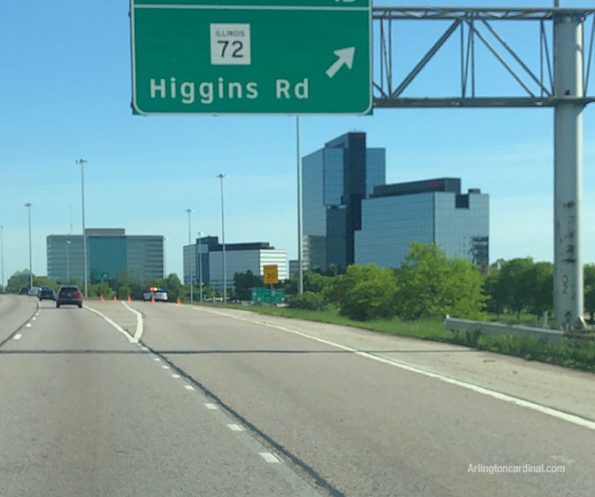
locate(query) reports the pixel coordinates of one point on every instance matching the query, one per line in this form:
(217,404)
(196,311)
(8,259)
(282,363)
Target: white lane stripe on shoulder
(511,399)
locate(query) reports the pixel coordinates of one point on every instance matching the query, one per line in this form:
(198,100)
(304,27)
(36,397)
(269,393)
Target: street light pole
(199,268)
(28,206)
(67,261)
(299,209)
(2,257)
(221,177)
(82,162)
(189,212)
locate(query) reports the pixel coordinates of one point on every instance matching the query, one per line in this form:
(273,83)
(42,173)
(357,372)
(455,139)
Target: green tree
(496,297)
(540,279)
(18,280)
(514,282)
(432,285)
(41,281)
(589,276)
(367,292)
(243,284)
(313,282)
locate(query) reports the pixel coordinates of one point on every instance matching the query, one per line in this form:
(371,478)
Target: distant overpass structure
(555,75)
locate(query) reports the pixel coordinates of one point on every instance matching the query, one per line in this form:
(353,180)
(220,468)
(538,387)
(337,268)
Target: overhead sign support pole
(568,171)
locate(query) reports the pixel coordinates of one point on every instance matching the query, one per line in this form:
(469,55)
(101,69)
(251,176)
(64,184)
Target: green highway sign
(251,56)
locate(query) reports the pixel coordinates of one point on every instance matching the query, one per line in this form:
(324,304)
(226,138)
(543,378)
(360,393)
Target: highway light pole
(2,257)
(221,177)
(199,267)
(299,208)
(189,212)
(67,261)
(28,206)
(82,162)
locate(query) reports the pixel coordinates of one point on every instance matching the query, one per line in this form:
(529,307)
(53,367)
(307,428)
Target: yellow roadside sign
(270,274)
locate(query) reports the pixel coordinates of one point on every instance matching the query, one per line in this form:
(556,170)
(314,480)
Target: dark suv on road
(46,294)
(69,295)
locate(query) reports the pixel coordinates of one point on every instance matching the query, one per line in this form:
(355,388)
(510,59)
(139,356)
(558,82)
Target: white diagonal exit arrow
(345,58)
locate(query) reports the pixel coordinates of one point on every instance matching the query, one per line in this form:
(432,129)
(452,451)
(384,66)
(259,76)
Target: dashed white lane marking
(18,336)
(268,457)
(139,322)
(164,367)
(175,376)
(34,317)
(550,411)
(213,407)
(234,427)
(156,359)
(28,325)
(188,387)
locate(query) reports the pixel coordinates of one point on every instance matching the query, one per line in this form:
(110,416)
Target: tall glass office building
(110,253)
(431,211)
(335,181)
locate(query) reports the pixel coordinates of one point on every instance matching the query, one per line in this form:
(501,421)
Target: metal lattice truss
(474,27)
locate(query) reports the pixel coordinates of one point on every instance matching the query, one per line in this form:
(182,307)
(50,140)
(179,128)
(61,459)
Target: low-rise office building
(110,252)
(239,258)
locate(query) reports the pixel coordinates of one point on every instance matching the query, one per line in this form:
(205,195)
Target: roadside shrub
(369,293)
(308,300)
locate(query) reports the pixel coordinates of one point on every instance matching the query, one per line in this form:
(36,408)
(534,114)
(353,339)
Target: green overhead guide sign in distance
(251,56)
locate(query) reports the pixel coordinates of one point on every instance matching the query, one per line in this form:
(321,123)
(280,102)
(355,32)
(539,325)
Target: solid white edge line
(269,457)
(113,323)
(139,322)
(550,411)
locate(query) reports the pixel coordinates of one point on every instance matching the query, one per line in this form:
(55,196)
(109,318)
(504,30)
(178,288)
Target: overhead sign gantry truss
(558,78)
(473,28)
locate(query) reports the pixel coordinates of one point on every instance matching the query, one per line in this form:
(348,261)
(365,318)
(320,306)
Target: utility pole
(28,206)
(192,262)
(2,257)
(82,162)
(199,267)
(299,208)
(221,177)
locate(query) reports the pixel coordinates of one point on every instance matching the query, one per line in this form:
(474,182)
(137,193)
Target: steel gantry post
(568,171)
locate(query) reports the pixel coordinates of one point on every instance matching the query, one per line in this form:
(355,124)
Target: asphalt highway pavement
(203,403)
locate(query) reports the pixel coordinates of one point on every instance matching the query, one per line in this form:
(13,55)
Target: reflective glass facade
(335,180)
(110,252)
(459,224)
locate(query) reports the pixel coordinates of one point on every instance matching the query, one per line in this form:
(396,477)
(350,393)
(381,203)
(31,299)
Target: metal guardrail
(543,334)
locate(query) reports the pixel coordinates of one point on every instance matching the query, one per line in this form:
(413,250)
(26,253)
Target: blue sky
(65,94)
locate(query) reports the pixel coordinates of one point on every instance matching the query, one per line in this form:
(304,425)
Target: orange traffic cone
(115,299)
(178,301)
(129,298)
(101,298)
(152,300)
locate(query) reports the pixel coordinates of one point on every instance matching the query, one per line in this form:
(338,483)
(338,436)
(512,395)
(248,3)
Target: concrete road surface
(219,403)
